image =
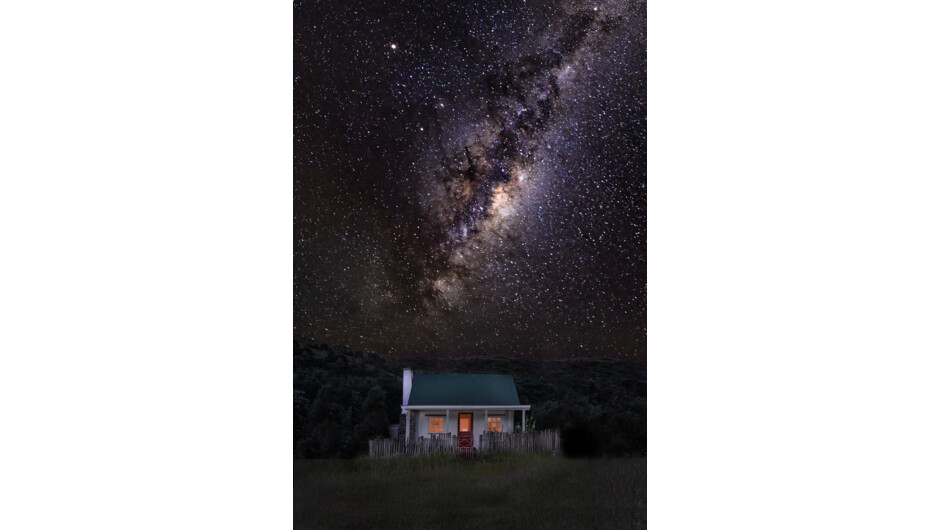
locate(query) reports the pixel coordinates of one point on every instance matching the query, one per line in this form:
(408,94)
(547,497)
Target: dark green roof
(463,389)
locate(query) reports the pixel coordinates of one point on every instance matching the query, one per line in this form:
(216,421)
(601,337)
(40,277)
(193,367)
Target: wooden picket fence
(388,447)
(521,442)
(489,442)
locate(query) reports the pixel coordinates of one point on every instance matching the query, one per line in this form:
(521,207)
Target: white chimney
(405,387)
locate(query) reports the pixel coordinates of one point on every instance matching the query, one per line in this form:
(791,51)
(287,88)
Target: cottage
(459,404)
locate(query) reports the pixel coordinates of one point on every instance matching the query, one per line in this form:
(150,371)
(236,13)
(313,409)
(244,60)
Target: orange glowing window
(437,425)
(493,424)
(465,423)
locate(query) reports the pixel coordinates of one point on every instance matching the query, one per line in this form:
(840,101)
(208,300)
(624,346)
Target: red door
(465,431)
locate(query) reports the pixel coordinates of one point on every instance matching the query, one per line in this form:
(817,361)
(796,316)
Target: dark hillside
(344,397)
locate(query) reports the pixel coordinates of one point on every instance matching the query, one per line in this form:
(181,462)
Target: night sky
(470,177)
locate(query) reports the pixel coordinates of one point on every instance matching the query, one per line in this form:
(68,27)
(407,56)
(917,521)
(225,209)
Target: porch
(489,442)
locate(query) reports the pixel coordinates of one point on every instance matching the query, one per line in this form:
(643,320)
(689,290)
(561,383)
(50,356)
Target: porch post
(486,424)
(407,425)
(523,420)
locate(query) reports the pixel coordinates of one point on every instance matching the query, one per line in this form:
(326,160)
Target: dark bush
(578,439)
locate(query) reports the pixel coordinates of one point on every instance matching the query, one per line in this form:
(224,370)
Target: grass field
(509,491)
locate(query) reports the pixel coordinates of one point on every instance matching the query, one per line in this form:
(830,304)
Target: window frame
(435,419)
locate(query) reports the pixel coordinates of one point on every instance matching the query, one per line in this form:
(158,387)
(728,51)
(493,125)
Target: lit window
(493,425)
(437,425)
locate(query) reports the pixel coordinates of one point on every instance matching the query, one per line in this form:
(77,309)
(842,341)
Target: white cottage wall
(450,422)
(424,422)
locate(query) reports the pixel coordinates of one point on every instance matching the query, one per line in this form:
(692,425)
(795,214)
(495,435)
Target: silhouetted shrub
(578,439)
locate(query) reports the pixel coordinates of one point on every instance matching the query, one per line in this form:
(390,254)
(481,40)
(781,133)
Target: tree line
(344,397)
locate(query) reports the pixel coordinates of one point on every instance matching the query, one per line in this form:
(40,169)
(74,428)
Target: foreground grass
(512,491)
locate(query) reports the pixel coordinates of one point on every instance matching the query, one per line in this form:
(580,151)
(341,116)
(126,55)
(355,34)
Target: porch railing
(489,442)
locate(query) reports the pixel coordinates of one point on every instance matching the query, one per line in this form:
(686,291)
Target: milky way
(471,179)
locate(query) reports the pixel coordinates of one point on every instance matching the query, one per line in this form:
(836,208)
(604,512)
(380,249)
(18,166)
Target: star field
(470,179)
